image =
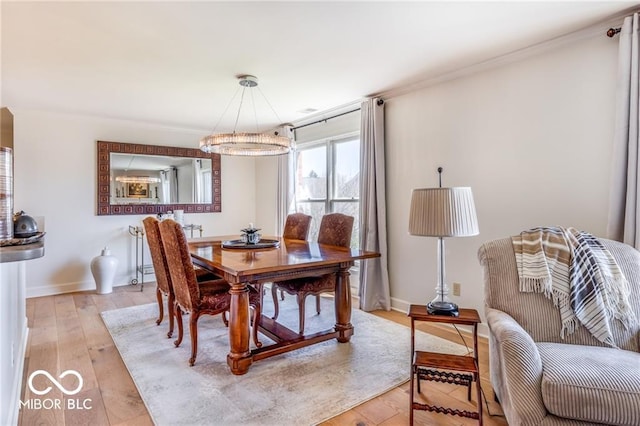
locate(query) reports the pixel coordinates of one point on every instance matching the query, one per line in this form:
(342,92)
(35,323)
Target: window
(328,181)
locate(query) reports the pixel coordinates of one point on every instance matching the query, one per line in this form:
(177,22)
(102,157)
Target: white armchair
(542,379)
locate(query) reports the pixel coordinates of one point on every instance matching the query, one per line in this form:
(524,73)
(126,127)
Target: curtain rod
(324,120)
(613,31)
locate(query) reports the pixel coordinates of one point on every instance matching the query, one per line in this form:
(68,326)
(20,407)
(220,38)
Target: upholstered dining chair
(335,229)
(161,272)
(193,298)
(296,227)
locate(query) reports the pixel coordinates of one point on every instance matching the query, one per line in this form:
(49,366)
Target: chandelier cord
(246,143)
(235,126)
(255,113)
(270,106)
(225,111)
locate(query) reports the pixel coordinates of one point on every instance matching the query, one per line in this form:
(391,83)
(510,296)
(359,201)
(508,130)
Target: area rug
(303,387)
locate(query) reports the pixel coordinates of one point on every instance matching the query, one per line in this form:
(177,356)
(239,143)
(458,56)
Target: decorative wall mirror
(151,179)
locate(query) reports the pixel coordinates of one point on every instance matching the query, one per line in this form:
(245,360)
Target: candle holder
(250,235)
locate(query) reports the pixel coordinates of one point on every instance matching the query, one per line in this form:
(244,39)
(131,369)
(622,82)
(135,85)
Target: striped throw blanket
(579,275)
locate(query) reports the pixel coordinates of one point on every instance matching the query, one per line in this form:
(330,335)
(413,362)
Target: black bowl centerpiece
(250,235)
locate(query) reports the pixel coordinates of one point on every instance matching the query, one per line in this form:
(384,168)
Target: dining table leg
(343,305)
(239,358)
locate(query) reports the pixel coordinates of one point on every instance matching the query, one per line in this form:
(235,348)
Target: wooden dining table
(242,267)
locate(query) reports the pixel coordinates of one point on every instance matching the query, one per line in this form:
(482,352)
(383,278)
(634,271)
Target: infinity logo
(55,382)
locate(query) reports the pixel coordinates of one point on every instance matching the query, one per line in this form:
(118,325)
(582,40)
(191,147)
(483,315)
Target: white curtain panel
(197,180)
(164,194)
(624,207)
(173,185)
(374,276)
(286,187)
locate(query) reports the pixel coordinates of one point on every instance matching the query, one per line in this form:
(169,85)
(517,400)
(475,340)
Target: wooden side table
(447,368)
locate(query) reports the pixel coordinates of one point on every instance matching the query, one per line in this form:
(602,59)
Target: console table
(446,368)
(141,269)
(192,227)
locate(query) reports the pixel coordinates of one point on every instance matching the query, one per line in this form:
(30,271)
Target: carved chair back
(183,276)
(158,258)
(297,226)
(336,230)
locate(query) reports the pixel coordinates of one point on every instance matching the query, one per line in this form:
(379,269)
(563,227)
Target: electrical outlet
(456,289)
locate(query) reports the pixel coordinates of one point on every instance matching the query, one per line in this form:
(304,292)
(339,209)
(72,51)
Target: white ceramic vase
(103,268)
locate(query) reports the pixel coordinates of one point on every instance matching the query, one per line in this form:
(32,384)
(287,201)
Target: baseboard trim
(17,378)
(399,305)
(48,290)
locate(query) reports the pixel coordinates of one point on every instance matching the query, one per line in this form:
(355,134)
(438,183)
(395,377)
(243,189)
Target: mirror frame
(105,149)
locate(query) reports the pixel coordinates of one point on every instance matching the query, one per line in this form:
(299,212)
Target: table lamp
(442,212)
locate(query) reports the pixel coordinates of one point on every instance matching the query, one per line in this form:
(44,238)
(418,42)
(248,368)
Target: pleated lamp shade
(443,212)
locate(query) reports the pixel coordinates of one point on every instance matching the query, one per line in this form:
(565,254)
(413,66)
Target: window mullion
(330,177)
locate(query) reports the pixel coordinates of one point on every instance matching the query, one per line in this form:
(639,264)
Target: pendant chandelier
(246,143)
(137,179)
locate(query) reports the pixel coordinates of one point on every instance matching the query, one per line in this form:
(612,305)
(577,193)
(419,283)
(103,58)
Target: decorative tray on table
(241,244)
(22,241)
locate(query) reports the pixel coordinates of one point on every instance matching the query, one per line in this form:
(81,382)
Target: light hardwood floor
(67,332)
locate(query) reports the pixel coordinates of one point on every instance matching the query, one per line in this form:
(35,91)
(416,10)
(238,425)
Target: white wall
(55,177)
(13,338)
(533,140)
(266,189)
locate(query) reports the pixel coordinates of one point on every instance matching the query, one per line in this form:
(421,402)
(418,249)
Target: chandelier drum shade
(442,212)
(246,143)
(137,179)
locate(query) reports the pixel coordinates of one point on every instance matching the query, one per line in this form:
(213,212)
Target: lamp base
(439,307)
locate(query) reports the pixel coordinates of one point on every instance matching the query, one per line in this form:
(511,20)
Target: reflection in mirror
(150,179)
(155,179)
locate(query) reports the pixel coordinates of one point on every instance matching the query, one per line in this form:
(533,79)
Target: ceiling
(156,163)
(176,63)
